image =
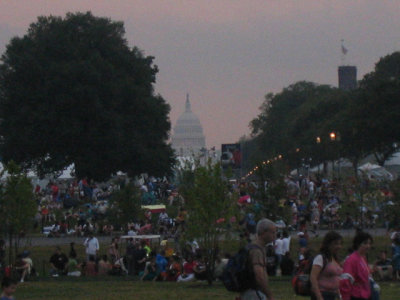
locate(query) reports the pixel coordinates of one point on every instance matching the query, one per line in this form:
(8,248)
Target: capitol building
(188,138)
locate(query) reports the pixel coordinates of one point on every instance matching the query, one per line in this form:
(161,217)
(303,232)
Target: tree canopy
(73,91)
(297,121)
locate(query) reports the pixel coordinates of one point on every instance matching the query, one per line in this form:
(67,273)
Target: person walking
(266,233)
(356,286)
(326,269)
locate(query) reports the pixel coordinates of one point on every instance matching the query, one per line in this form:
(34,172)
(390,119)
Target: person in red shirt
(54,191)
(357,273)
(188,272)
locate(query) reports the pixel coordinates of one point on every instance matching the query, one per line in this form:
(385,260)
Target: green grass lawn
(110,287)
(121,288)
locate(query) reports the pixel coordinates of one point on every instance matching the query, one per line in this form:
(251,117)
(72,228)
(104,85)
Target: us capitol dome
(188,138)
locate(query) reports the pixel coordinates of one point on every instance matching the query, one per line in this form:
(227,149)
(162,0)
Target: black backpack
(238,275)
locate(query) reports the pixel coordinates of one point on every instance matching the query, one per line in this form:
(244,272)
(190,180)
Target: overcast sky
(228,54)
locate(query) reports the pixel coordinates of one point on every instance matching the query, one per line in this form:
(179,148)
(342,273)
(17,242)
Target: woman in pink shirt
(356,285)
(326,270)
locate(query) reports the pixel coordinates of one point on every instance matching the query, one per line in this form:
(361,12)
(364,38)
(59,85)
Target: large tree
(291,119)
(73,91)
(379,103)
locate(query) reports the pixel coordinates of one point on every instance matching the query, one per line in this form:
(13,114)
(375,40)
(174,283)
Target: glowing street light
(332,135)
(318,140)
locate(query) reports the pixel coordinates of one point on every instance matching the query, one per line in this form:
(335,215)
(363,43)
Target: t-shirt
(286,244)
(92,245)
(188,267)
(257,256)
(72,265)
(303,242)
(161,263)
(279,247)
(59,260)
(318,260)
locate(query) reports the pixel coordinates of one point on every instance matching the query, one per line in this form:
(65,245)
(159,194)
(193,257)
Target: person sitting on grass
(22,267)
(119,267)
(188,273)
(383,269)
(161,263)
(104,266)
(58,263)
(150,270)
(90,266)
(113,250)
(8,287)
(199,269)
(220,264)
(174,269)
(72,266)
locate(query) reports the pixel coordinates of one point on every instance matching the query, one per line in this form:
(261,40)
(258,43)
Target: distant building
(347,77)
(188,138)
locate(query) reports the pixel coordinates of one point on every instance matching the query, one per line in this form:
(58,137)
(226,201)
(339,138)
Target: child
(8,286)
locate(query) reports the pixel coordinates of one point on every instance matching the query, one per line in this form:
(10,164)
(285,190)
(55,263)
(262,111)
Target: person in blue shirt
(302,240)
(161,264)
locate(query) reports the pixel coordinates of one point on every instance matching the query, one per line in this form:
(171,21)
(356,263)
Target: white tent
(368,166)
(66,173)
(394,160)
(376,172)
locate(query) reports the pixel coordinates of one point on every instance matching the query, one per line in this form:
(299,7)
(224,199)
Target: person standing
(356,286)
(285,242)
(279,248)
(113,250)
(266,233)
(92,246)
(326,269)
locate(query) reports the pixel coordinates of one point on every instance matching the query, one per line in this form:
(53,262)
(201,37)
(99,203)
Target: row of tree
(298,121)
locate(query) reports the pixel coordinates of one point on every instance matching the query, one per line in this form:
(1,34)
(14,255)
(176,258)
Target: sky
(228,54)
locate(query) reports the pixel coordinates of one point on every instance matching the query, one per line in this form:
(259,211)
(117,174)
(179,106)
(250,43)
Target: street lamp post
(335,137)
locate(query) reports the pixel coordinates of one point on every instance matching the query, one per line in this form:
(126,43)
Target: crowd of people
(137,258)
(313,204)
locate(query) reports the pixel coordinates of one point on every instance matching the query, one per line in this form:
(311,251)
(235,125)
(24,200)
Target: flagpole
(344,51)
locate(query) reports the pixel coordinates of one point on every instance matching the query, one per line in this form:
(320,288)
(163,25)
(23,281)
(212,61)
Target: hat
(300,233)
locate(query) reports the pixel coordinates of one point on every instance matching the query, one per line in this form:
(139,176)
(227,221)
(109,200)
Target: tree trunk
(325,168)
(10,247)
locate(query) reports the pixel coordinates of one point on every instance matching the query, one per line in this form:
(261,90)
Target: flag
(344,50)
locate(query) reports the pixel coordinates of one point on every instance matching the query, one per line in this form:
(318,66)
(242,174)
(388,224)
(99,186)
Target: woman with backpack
(326,269)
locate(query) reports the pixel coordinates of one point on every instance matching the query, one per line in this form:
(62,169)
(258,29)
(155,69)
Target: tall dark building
(347,77)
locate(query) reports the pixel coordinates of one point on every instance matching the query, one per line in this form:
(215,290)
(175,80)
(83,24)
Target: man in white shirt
(279,248)
(92,246)
(285,242)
